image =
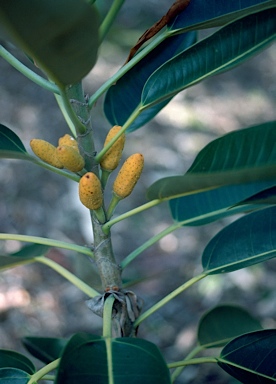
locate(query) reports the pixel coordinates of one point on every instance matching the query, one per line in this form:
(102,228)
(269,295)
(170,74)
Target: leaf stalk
(27,72)
(89,291)
(168,298)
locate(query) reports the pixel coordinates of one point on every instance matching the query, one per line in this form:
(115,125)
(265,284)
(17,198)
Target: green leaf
(173,187)
(13,376)
(13,359)
(11,147)
(206,207)
(267,197)
(125,96)
(247,241)
(9,141)
(201,14)
(45,349)
(251,358)
(241,156)
(24,256)
(89,359)
(11,262)
(244,158)
(60,36)
(32,250)
(244,148)
(223,50)
(224,322)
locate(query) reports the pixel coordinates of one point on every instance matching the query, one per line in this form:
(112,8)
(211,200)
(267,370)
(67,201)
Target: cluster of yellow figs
(67,155)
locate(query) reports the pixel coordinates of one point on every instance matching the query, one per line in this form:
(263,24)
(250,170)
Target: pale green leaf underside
(60,36)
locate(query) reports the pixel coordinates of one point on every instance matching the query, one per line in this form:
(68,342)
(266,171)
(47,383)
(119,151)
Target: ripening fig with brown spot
(90,191)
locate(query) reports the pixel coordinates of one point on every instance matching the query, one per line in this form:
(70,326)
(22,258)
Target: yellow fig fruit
(70,158)
(90,191)
(46,152)
(113,156)
(69,141)
(128,175)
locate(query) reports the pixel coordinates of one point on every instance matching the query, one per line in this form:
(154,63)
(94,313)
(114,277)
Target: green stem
(178,370)
(50,242)
(125,68)
(43,371)
(49,378)
(141,208)
(169,297)
(49,86)
(107,334)
(109,270)
(65,115)
(58,171)
(104,177)
(79,126)
(100,215)
(129,121)
(115,200)
(199,360)
(148,244)
(109,18)
(89,291)
(107,316)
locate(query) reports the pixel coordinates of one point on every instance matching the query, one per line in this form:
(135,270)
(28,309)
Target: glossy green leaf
(223,323)
(241,156)
(251,358)
(244,148)
(221,51)
(124,97)
(11,146)
(24,256)
(206,207)
(14,359)
(227,171)
(85,360)
(267,197)
(173,187)
(13,376)
(247,241)
(45,349)
(9,141)
(61,36)
(201,14)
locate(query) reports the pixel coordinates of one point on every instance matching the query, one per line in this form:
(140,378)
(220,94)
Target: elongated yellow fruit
(70,158)
(69,141)
(46,152)
(128,175)
(90,191)
(113,156)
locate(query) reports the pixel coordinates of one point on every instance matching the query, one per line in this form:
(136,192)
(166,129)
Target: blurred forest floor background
(34,300)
